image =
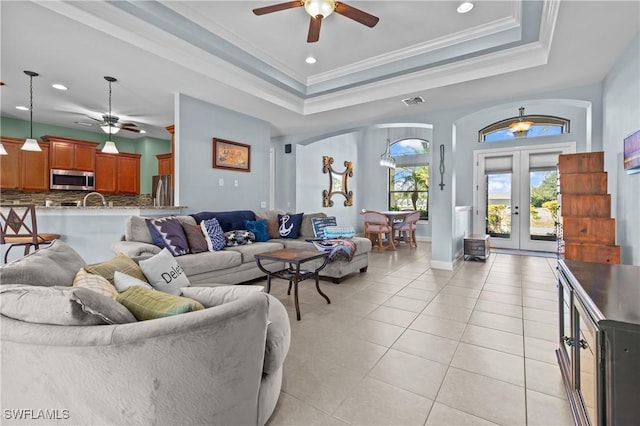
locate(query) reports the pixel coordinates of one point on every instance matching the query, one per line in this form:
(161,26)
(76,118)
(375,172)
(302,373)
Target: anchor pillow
(289,225)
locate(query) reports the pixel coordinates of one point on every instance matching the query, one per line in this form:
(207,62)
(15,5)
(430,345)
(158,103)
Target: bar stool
(19,227)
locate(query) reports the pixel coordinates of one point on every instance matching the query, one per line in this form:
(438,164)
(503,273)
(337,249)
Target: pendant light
(2,150)
(30,144)
(386,160)
(109,146)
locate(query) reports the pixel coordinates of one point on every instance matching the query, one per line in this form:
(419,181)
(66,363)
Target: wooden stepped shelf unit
(588,231)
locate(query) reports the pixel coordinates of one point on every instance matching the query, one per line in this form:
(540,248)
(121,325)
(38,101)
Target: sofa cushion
(56,264)
(148,304)
(164,273)
(239,238)
(95,282)
(214,296)
(272,221)
(201,263)
(124,281)
(229,221)
(259,229)
(320,223)
(249,250)
(344,231)
(135,228)
(213,233)
(289,225)
(167,232)
(195,238)
(60,305)
(120,263)
(306,226)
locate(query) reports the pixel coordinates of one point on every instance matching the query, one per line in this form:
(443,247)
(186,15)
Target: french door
(515,201)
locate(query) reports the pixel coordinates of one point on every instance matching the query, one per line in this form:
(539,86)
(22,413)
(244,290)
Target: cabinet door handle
(583,344)
(567,340)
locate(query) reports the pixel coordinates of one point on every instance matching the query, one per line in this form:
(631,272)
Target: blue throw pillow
(167,233)
(320,223)
(289,225)
(213,234)
(259,229)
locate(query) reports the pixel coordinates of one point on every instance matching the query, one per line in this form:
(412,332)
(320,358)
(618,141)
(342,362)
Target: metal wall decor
(337,182)
(441,168)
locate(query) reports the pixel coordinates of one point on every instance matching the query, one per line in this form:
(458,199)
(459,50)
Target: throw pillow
(95,282)
(147,304)
(320,223)
(213,234)
(60,305)
(272,228)
(195,238)
(306,227)
(124,281)
(164,273)
(289,225)
(56,264)
(259,229)
(121,263)
(214,296)
(239,238)
(333,232)
(167,232)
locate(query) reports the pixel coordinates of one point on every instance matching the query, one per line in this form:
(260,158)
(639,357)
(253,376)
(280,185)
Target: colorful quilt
(339,248)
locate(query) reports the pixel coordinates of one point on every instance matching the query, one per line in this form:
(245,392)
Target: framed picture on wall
(231,155)
(632,153)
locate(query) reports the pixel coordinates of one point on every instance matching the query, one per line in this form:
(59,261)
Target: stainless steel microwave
(72,180)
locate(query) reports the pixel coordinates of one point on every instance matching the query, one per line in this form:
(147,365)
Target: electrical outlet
(263,204)
(220,182)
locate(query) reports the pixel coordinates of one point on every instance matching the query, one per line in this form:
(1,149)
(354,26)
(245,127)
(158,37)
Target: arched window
(524,126)
(409,181)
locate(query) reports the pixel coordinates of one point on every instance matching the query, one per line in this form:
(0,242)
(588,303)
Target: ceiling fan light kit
(319,10)
(30,144)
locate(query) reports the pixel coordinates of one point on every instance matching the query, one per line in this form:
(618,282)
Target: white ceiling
(220,52)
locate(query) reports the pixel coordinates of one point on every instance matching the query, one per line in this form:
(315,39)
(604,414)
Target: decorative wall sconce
(441,184)
(337,182)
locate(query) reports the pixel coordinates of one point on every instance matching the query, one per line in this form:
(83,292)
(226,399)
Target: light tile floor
(404,344)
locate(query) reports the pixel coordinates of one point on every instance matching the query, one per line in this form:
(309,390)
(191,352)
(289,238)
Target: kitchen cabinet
(71,154)
(165,164)
(118,173)
(24,170)
(599,341)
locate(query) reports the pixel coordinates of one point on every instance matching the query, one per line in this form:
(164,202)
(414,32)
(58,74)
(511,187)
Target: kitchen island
(91,230)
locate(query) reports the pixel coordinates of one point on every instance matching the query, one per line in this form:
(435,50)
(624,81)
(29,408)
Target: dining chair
(376,223)
(19,227)
(407,229)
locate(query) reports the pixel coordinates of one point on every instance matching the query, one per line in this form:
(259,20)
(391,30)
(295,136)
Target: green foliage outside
(546,191)
(498,219)
(410,189)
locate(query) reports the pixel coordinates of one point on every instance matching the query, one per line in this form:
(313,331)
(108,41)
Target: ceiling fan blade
(130,129)
(356,14)
(96,119)
(277,7)
(128,124)
(314,29)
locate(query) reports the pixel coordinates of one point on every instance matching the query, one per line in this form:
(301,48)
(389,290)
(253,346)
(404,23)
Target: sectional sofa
(234,265)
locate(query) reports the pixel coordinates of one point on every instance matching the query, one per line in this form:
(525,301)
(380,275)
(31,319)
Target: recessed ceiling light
(22,108)
(311,60)
(59,86)
(143,131)
(465,7)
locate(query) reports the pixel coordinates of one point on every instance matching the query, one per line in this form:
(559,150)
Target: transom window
(409,181)
(524,126)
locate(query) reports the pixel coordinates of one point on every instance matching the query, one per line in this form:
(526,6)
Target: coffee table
(293,274)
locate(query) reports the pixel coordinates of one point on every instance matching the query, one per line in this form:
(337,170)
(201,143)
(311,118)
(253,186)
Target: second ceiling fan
(319,10)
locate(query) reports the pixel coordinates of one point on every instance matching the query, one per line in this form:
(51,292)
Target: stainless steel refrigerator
(161,191)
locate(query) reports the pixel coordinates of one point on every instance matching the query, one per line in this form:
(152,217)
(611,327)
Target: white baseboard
(447,266)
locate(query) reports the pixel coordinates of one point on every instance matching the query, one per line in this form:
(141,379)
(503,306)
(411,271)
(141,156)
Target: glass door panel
(498,201)
(543,205)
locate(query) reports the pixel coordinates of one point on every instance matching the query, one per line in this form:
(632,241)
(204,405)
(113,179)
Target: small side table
(293,274)
(476,247)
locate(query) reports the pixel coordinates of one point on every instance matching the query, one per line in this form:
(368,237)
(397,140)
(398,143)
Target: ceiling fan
(319,10)
(110,123)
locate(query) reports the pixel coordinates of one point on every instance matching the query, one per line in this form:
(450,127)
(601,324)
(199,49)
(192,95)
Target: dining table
(396,215)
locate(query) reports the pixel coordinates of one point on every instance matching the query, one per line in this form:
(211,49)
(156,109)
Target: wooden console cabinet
(599,341)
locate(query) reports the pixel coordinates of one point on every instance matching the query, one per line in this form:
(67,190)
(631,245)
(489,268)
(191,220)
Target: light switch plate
(221,182)
(263,204)
(235,183)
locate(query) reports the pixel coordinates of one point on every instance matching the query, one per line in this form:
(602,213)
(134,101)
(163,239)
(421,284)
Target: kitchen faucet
(84,201)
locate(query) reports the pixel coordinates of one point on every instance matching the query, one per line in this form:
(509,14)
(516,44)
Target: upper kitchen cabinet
(71,154)
(24,170)
(118,173)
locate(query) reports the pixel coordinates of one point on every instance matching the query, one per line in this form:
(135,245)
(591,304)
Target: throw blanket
(339,248)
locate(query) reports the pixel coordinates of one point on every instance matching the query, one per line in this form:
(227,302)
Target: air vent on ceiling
(413,101)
